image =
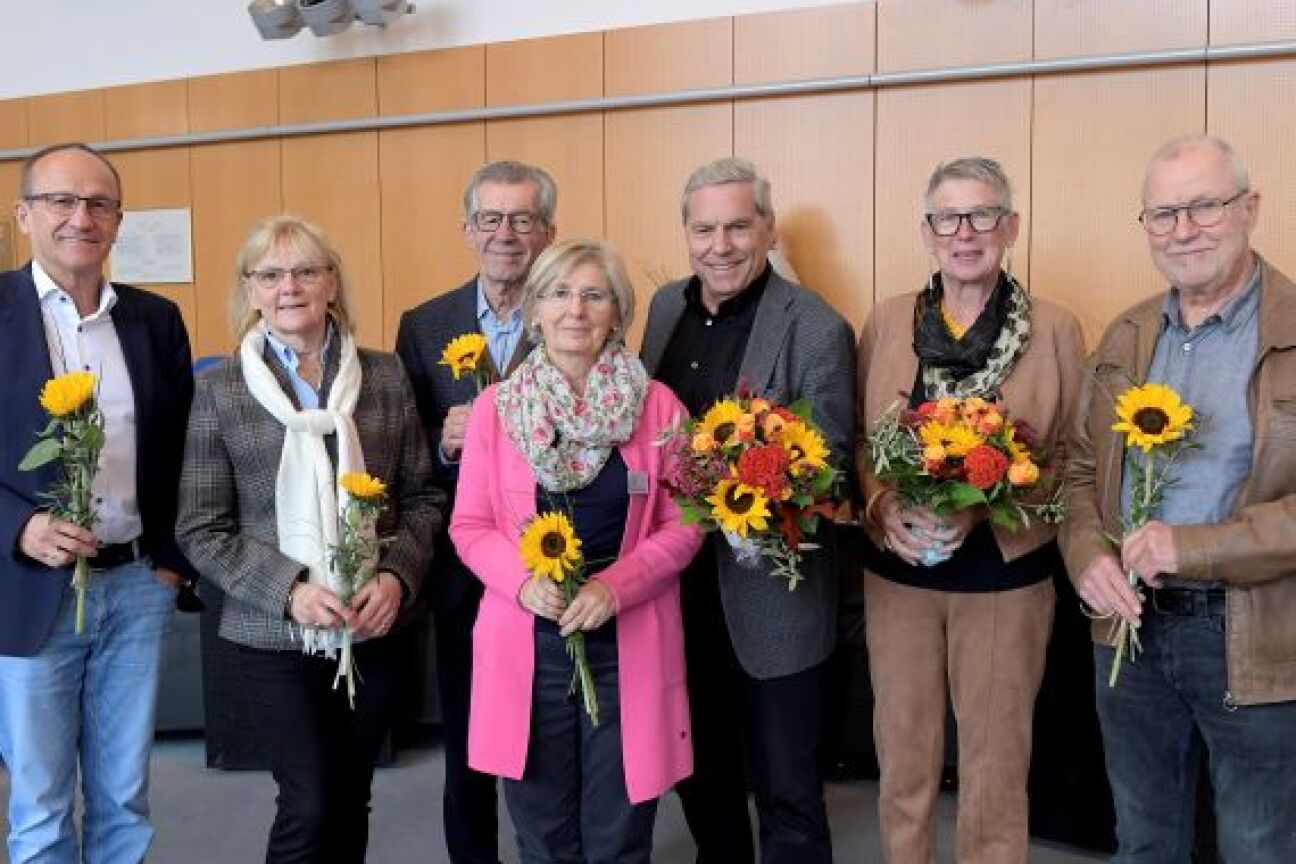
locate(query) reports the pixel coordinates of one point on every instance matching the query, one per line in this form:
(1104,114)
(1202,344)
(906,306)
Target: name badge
(637,483)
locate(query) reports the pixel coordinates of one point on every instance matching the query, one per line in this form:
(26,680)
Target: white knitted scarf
(307,495)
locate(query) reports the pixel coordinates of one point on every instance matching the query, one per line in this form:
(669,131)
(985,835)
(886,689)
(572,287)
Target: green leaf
(41,454)
(964,495)
(94,438)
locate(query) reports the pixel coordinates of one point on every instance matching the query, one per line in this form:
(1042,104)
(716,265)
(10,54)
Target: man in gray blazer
(508,221)
(755,651)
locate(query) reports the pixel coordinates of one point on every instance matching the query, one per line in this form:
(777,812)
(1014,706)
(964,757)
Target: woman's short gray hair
(302,237)
(721,172)
(980,168)
(560,259)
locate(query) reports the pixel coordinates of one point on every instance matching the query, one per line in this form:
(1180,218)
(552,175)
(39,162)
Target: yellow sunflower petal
(68,393)
(721,420)
(363,486)
(549,547)
(956,437)
(1152,415)
(463,353)
(805,445)
(738,507)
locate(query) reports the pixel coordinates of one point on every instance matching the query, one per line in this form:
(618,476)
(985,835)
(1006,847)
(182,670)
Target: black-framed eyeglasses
(1159,221)
(64,204)
(310,275)
(522,222)
(983,220)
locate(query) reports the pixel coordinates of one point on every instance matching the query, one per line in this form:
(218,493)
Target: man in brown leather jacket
(1216,607)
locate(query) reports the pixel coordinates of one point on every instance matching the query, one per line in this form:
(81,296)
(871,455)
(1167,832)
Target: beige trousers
(987,651)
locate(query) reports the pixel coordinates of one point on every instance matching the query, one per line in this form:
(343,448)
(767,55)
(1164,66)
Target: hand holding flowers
(551,552)
(355,556)
(74,437)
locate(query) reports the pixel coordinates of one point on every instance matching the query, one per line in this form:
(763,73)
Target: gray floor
(214,817)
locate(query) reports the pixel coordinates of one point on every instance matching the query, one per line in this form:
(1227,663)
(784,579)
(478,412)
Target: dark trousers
(773,725)
(571,804)
(469,806)
(1168,712)
(321,752)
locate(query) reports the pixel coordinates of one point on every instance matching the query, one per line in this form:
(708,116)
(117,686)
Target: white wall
(50,46)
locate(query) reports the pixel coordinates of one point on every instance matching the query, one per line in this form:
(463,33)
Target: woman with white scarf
(272,430)
(574,429)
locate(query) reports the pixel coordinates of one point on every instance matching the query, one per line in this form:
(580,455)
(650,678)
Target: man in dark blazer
(508,220)
(66,697)
(754,649)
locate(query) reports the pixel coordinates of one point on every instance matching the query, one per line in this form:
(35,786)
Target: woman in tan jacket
(955,605)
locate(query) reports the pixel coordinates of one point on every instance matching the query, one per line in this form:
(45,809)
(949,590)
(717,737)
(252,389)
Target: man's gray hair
(983,169)
(513,173)
(25,187)
(1176,147)
(730,170)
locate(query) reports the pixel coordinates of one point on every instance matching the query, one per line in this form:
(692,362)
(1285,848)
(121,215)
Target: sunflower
(549,546)
(68,393)
(1152,415)
(956,438)
(463,353)
(806,447)
(363,486)
(720,422)
(739,507)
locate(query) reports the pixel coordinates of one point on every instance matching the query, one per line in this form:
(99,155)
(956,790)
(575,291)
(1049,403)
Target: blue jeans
(1165,714)
(87,699)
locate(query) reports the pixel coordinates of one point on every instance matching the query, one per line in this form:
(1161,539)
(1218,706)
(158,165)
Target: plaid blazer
(227,492)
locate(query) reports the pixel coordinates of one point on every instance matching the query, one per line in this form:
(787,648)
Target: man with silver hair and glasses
(1216,677)
(508,221)
(80,700)
(755,651)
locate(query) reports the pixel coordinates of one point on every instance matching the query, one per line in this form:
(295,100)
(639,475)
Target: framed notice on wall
(154,247)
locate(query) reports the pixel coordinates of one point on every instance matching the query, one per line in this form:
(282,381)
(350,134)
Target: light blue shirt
(1210,367)
(307,395)
(502,336)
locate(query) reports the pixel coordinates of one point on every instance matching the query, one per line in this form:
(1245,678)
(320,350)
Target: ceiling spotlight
(326,17)
(380,12)
(275,19)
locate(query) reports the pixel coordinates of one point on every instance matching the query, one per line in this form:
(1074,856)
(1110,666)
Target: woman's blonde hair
(303,237)
(556,262)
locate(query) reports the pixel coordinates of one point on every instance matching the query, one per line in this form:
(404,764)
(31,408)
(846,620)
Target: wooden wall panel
(426,81)
(650,153)
(332,180)
(1093,136)
(234,186)
(545,70)
(77,116)
(1066,28)
(1236,21)
(919,127)
(800,44)
(236,101)
(423,175)
(1240,93)
(664,57)
(13,125)
(818,153)
(317,92)
(146,110)
(927,34)
(571,150)
(11,246)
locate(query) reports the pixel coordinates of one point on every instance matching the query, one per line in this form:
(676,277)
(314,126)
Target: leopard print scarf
(979,363)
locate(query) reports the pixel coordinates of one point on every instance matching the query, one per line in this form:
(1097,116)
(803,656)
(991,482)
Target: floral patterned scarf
(568,438)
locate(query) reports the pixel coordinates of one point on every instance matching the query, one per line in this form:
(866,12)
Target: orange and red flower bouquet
(951,454)
(757,471)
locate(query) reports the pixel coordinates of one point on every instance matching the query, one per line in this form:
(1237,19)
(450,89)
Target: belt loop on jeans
(116,554)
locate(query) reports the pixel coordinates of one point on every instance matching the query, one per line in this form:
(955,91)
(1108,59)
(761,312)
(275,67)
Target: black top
(598,513)
(704,356)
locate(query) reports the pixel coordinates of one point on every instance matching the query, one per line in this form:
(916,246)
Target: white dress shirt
(91,343)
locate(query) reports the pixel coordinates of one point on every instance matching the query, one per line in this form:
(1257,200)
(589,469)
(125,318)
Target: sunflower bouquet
(355,557)
(951,454)
(550,549)
(1156,423)
(466,355)
(73,437)
(758,472)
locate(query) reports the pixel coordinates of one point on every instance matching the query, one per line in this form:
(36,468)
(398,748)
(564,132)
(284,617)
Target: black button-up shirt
(704,356)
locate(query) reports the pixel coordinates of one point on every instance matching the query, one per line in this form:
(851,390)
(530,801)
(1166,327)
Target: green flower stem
(582,677)
(1127,641)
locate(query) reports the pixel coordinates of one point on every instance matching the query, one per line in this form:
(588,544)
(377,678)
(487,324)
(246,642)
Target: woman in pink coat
(573,429)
